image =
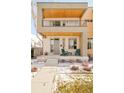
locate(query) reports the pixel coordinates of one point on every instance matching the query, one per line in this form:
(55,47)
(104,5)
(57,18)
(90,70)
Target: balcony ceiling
(63,13)
(62,33)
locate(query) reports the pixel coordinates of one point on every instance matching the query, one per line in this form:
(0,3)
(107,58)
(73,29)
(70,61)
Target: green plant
(76,85)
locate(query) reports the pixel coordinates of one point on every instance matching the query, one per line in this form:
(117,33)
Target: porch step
(53,57)
(51,62)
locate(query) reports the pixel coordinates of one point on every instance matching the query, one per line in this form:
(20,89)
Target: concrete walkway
(43,81)
(51,62)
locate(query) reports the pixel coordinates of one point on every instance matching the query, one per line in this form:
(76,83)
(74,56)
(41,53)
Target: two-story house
(65,25)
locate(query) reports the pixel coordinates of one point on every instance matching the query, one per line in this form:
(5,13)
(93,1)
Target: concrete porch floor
(60,57)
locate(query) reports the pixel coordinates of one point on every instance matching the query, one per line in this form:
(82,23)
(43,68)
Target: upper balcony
(63,25)
(61,17)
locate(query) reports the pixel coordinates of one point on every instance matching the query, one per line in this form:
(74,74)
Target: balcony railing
(64,23)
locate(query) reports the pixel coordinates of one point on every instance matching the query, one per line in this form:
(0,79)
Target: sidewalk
(43,81)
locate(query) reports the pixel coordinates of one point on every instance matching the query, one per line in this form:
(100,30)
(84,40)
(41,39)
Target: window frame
(74,46)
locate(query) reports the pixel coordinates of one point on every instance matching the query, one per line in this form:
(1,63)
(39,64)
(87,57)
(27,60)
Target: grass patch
(76,85)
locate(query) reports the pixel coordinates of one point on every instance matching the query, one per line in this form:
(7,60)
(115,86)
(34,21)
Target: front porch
(58,61)
(65,61)
(74,43)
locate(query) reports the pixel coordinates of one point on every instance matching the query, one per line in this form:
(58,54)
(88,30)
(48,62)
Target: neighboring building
(88,17)
(65,25)
(35,41)
(36,46)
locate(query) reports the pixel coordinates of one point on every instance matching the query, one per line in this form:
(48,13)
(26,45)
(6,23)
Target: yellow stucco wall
(89,16)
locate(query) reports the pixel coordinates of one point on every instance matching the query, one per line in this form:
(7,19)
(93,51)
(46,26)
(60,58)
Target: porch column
(84,43)
(66,44)
(39,16)
(44,48)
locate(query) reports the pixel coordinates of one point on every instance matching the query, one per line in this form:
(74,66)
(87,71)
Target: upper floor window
(89,20)
(56,23)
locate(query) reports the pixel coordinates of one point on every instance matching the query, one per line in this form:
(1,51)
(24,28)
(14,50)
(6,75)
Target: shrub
(77,85)
(34,69)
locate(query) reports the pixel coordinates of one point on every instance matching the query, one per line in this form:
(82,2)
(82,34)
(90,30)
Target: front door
(56,47)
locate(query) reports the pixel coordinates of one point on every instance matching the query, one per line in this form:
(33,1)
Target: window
(63,24)
(56,23)
(51,45)
(90,43)
(72,43)
(89,20)
(63,42)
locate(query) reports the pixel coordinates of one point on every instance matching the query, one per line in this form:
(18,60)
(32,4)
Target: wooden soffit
(62,13)
(61,33)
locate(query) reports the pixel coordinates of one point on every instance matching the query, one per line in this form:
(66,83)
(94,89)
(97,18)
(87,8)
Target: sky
(33,29)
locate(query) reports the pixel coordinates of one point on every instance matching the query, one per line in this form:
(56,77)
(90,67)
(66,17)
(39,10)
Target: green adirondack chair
(77,52)
(64,53)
